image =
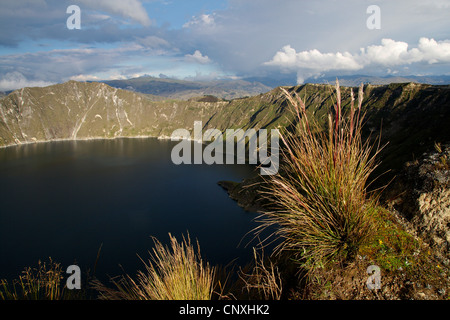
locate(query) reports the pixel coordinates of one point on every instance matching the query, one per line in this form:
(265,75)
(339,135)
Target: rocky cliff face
(75,110)
(421,193)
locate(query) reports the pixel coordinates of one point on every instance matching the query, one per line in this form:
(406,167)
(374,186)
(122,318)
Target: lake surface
(64,199)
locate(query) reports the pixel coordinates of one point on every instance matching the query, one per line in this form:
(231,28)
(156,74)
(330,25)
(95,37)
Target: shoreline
(163,137)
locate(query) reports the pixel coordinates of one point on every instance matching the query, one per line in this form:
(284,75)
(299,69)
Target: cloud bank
(390,53)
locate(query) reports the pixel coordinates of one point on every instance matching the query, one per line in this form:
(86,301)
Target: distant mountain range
(185,89)
(247,87)
(161,88)
(355,80)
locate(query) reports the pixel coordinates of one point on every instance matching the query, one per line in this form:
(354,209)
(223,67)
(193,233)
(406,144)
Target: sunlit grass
(175,273)
(323,211)
(40,283)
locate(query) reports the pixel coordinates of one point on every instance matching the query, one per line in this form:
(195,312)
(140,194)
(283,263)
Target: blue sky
(225,39)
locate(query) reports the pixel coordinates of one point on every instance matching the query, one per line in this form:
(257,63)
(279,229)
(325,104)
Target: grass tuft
(40,283)
(176,273)
(323,211)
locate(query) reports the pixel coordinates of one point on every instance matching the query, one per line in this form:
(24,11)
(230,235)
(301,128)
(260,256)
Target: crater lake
(66,199)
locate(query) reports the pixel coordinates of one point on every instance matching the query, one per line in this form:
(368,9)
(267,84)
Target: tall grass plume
(323,209)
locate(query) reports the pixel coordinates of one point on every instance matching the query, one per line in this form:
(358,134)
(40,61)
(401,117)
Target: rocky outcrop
(421,194)
(246,193)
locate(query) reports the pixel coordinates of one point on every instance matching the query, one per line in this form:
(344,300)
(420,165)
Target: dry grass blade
(264,282)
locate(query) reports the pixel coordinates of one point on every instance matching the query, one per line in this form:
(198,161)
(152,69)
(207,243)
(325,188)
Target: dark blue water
(64,199)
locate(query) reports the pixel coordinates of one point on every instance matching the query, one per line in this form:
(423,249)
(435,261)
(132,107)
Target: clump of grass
(264,280)
(172,274)
(323,210)
(40,283)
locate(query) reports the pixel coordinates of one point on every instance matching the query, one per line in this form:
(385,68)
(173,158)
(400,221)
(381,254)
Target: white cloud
(433,51)
(14,80)
(85,77)
(131,9)
(197,57)
(202,20)
(390,53)
(287,57)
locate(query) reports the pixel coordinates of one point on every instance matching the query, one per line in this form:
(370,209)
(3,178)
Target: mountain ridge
(186,89)
(80,110)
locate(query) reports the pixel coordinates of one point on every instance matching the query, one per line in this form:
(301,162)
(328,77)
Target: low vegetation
(176,273)
(43,282)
